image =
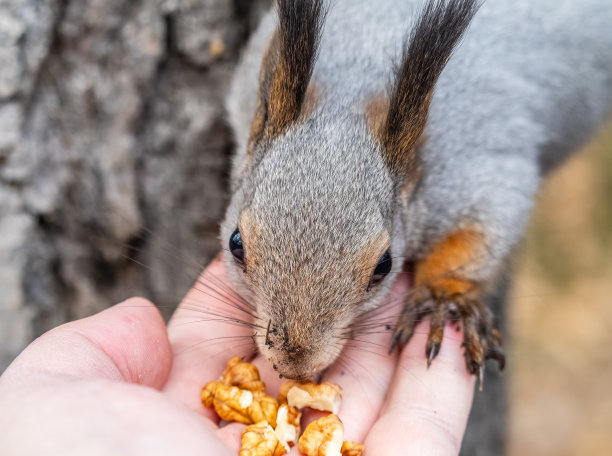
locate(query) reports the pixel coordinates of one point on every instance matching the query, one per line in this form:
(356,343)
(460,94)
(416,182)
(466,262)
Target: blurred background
(560,314)
(113,178)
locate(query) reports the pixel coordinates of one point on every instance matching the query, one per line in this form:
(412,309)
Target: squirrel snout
(296,367)
(295,356)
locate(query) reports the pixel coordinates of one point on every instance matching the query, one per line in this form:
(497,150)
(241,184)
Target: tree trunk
(113,154)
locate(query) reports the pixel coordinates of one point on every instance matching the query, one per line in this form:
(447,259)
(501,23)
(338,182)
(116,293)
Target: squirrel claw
(395,341)
(400,337)
(481,337)
(433,352)
(498,355)
(411,315)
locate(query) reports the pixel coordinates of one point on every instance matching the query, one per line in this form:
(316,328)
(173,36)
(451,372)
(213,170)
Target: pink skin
(120,382)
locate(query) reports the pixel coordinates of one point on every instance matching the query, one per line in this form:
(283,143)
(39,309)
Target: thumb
(127,342)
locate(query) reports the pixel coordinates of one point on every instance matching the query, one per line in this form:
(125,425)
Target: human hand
(118,383)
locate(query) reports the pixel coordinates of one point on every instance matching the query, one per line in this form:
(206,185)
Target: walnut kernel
(234,404)
(352,449)
(322,437)
(230,402)
(263,408)
(288,424)
(240,396)
(284,389)
(261,440)
(320,396)
(243,375)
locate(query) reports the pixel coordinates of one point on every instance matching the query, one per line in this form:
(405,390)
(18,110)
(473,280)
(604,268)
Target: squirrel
(371,134)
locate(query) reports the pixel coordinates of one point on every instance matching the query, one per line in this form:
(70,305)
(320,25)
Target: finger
(268,375)
(426,410)
(365,369)
(210,326)
(231,434)
(127,342)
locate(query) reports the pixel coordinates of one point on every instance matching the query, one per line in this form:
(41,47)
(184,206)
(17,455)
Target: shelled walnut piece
(351,448)
(288,424)
(320,396)
(234,404)
(261,440)
(243,375)
(239,395)
(322,437)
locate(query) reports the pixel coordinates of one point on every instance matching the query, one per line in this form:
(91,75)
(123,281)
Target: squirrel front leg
(445,290)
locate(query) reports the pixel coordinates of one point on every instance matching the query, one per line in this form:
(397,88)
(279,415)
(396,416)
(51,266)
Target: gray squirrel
(374,133)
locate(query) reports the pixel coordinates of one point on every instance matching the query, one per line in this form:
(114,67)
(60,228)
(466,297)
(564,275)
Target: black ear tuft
(437,31)
(287,66)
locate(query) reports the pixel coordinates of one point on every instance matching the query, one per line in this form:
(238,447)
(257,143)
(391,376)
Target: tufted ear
(437,31)
(286,68)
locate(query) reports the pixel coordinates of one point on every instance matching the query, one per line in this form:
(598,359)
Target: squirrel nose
(294,352)
(290,349)
(295,369)
(281,338)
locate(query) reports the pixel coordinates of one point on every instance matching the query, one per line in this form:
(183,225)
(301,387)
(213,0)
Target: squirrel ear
(438,29)
(287,67)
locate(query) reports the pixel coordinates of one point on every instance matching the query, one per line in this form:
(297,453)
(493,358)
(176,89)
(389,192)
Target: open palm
(120,382)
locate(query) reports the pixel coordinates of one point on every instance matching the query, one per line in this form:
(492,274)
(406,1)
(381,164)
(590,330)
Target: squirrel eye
(236,248)
(382,269)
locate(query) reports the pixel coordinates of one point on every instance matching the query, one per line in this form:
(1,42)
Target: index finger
(210,325)
(427,409)
(365,368)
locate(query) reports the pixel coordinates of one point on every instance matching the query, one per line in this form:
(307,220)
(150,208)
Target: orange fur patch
(400,150)
(266,74)
(286,69)
(376,113)
(447,265)
(283,105)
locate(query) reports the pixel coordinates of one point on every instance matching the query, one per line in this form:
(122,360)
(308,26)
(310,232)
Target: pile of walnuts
(274,425)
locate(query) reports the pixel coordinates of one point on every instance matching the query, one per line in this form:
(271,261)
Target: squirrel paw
(481,336)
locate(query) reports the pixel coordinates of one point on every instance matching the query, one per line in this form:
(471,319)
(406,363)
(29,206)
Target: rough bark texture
(113,148)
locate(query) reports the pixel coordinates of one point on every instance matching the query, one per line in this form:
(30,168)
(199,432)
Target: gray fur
(530,84)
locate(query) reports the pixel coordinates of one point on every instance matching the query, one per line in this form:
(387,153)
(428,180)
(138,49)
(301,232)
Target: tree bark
(114,152)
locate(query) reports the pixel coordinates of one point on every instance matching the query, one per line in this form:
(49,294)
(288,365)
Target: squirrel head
(313,235)
(309,234)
